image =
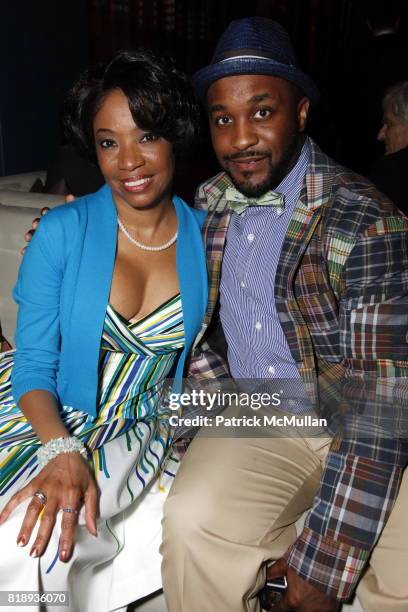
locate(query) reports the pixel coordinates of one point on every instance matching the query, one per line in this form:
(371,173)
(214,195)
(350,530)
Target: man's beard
(275,174)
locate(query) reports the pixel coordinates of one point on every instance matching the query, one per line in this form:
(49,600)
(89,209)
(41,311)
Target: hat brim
(203,78)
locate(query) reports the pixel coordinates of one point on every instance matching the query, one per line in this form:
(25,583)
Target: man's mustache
(246,155)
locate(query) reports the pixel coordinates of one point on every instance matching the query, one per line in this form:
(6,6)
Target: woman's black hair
(160,99)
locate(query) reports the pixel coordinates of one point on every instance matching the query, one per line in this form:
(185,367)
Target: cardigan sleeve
(37,294)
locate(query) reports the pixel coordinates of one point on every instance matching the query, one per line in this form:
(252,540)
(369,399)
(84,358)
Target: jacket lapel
(215,234)
(314,196)
(316,192)
(211,197)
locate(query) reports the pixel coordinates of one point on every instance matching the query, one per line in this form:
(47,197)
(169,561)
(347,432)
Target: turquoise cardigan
(63,289)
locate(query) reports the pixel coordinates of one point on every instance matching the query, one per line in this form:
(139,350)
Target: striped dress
(130,440)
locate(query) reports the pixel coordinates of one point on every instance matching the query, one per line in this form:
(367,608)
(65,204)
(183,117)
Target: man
(390,172)
(313,287)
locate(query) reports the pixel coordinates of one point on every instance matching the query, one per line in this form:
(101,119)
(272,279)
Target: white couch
(18,207)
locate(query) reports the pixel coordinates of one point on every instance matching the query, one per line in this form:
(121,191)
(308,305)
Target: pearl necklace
(145,247)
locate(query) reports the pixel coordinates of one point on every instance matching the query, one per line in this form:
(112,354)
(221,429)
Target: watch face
(269,597)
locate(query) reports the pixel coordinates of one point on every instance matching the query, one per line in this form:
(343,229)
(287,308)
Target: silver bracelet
(56,446)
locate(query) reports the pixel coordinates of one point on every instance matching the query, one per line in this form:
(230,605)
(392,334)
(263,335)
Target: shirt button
(251,237)
(242,285)
(271,370)
(258,325)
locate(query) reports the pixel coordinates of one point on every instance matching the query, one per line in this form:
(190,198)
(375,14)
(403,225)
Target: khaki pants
(233,507)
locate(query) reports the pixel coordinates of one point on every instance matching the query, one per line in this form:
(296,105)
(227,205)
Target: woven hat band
(247,53)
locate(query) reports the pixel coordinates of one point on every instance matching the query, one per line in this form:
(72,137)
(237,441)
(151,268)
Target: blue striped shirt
(257,346)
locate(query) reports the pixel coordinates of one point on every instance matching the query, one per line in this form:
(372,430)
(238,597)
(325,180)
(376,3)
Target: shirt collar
(291,184)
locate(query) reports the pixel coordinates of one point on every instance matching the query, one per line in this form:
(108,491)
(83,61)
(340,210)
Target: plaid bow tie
(238,203)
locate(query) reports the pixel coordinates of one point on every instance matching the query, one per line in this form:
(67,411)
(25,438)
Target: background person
(111,294)
(372,62)
(389,173)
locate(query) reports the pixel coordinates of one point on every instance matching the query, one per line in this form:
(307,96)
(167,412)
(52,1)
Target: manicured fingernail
(34,552)
(63,555)
(21,541)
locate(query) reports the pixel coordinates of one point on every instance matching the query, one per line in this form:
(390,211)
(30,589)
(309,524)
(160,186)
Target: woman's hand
(67,482)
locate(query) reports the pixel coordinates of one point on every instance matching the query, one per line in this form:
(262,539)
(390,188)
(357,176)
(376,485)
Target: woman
(111,294)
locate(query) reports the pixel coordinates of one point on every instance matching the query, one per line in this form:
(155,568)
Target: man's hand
(300,595)
(34,224)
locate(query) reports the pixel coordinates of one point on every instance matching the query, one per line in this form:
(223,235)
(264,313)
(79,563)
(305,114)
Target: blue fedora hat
(255,45)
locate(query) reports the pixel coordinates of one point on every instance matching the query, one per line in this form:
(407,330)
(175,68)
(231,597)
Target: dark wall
(43,47)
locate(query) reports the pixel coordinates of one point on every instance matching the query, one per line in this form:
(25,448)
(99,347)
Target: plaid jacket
(341,291)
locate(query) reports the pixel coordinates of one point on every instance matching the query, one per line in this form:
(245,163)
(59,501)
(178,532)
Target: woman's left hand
(67,483)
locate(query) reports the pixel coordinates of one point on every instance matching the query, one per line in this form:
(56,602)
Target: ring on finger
(70,510)
(42,498)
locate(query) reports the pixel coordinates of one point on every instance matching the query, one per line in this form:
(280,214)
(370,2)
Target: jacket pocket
(374,328)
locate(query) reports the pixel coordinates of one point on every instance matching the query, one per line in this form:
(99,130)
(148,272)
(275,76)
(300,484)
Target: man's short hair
(396,100)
